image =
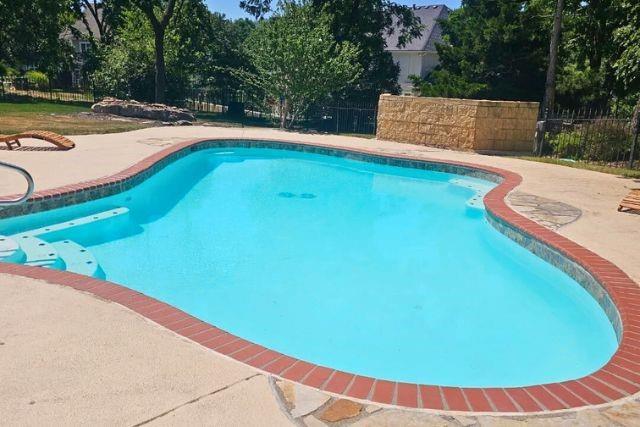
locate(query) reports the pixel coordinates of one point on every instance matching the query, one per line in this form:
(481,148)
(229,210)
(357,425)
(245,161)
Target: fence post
(542,128)
(635,125)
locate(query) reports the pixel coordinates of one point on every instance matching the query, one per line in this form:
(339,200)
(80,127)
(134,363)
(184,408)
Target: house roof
(80,26)
(431,33)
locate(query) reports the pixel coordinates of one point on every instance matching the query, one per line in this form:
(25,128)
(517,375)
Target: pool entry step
(479,188)
(47,247)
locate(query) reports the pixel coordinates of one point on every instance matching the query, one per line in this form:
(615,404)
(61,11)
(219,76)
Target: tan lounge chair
(59,141)
(631,202)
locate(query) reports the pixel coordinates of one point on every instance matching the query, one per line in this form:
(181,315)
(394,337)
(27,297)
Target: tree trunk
(284,111)
(159,26)
(160,66)
(550,85)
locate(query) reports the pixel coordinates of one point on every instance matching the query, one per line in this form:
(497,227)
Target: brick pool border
(619,295)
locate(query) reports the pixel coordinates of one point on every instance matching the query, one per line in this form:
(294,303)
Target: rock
(405,419)
(288,393)
(301,400)
(307,400)
(160,112)
(312,421)
(465,421)
(372,408)
(341,409)
(626,415)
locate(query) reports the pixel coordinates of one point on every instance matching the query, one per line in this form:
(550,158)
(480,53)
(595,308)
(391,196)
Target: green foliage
(126,69)
(201,49)
(7,71)
(297,58)
(441,83)
(363,23)
(601,140)
(498,49)
(37,79)
(30,34)
(109,14)
(498,44)
(627,37)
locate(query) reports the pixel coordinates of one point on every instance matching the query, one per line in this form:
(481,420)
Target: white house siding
(418,63)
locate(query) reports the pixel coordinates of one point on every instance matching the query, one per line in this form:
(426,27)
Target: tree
(441,83)
(298,61)
(550,84)
(105,13)
(201,49)
(627,39)
(30,34)
(159,24)
(363,23)
(499,44)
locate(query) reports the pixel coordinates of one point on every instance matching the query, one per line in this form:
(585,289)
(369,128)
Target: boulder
(131,108)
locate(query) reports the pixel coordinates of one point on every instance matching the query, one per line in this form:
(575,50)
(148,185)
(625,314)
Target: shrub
(599,140)
(37,79)
(7,71)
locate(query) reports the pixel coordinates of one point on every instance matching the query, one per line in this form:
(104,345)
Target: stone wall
(458,124)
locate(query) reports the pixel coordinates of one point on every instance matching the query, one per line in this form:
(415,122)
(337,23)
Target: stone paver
(340,410)
(550,213)
(301,400)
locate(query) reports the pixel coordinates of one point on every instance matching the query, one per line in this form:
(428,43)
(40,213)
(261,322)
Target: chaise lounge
(631,202)
(13,141)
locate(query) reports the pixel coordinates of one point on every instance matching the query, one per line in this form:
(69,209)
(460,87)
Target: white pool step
(77,222)
(480,189)
(39,253)
(10,250)
(31,248)
(78,259)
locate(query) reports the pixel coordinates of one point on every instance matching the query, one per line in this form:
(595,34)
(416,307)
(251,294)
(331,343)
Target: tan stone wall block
(457,123)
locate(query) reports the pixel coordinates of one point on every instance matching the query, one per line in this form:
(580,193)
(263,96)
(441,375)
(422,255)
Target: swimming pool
(383,271)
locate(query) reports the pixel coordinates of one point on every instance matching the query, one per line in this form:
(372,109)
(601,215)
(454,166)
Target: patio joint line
(197,399)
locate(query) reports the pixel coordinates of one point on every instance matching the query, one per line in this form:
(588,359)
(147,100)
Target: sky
(233,11)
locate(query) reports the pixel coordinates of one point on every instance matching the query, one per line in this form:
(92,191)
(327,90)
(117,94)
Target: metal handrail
(30,185)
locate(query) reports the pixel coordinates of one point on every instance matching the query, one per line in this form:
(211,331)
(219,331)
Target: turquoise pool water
(383,271)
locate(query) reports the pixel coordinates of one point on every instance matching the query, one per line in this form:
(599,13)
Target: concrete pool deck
(91,383)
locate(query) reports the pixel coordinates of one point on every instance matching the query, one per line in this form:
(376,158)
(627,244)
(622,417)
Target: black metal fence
(14,87)
(593,136)
(255,108)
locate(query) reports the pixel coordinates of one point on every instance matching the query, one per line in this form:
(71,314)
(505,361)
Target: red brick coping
(620,377)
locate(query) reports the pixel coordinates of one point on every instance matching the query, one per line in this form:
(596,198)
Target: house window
(85,47)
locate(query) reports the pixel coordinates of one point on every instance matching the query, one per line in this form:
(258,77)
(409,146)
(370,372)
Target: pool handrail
(30,185)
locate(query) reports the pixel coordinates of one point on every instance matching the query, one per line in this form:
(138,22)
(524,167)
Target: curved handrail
(30,185)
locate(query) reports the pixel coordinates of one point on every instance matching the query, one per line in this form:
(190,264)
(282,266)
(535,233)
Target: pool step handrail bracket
(30,185)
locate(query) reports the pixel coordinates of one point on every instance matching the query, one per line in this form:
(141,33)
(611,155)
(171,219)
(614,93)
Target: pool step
(480,189)
(78,259)
(78,222)
(39,253)
(10,250)
(62,255)
(33,248)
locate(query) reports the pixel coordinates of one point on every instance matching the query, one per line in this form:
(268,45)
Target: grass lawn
(223,120)
(19,116)
(627,173)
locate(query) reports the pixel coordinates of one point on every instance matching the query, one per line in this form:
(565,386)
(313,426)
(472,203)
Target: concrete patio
(72,358)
